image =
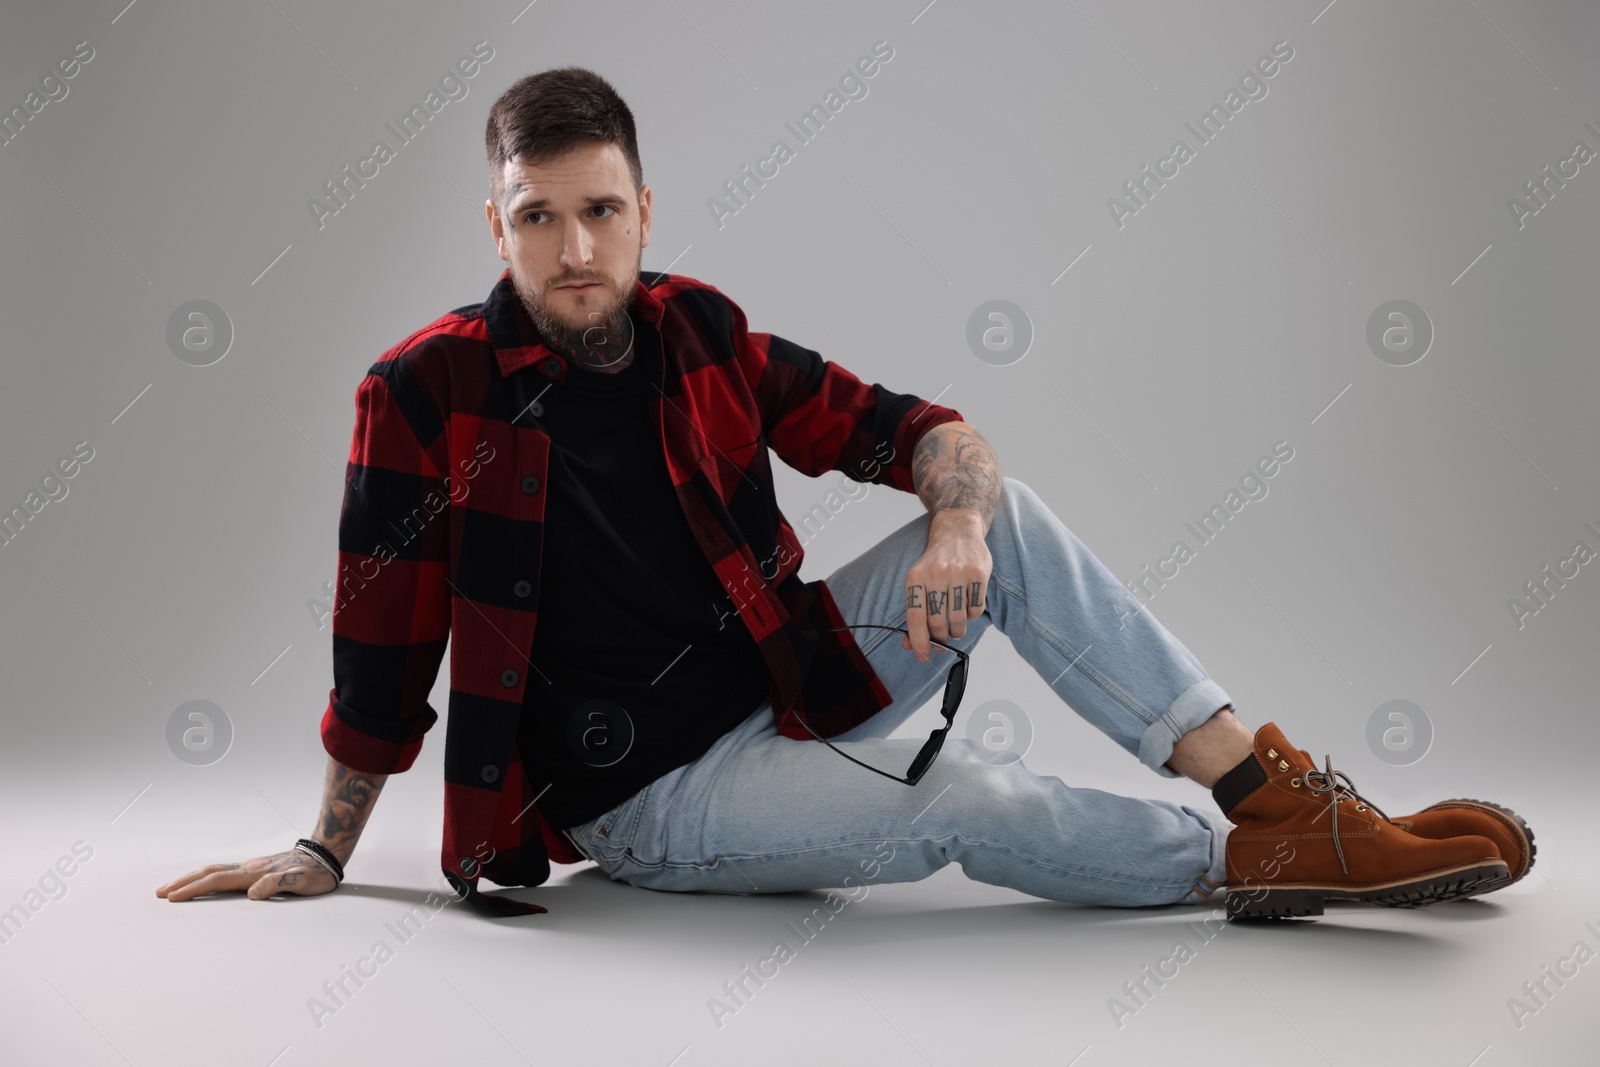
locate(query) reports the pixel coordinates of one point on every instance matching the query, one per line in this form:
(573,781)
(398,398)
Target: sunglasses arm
(847,755)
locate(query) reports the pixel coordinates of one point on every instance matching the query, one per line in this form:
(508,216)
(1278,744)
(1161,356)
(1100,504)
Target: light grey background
(1229,314)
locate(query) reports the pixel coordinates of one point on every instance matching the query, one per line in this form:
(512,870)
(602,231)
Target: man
(570,483)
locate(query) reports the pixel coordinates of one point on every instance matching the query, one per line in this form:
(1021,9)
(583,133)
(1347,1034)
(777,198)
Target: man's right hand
(289,872)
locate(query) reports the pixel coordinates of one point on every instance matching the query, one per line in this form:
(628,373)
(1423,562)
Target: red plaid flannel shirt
(440,534)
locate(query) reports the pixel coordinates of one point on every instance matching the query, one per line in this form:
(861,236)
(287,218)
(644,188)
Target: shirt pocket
(738,455)
(729,465)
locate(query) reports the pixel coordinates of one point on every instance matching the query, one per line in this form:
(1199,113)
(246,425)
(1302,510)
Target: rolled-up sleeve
(391,609)
(819,417)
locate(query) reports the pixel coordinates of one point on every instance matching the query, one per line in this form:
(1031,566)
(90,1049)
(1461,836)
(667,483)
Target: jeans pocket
(608,838)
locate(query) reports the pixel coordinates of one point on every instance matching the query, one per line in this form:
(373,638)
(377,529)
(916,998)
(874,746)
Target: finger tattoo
(913,597)
(955,600)
(974,596)
(936,598)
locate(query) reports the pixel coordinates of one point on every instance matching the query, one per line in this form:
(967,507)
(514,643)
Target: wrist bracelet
(321,857)
(319,852)
(317,861)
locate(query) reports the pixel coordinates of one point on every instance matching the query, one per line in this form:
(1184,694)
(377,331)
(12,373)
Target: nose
(577,248)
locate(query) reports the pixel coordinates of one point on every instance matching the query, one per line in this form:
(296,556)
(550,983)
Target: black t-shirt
(639,670)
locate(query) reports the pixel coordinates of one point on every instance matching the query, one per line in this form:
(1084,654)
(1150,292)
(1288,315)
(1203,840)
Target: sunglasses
(954,686)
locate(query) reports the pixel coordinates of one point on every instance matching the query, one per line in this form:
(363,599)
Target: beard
(602,336)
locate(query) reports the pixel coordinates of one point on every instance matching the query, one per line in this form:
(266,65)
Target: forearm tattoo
(953,466)
(347,803)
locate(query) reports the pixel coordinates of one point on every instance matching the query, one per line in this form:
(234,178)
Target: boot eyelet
(1295,782)
(1283,765)
(1361,807)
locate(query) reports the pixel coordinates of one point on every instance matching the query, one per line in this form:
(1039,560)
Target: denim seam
(1172,725)
(1109,687)
(1143,883)
(623,840)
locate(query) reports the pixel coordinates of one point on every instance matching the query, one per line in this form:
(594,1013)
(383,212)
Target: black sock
(1238,783)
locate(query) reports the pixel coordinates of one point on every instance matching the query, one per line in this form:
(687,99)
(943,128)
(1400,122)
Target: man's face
(573,232)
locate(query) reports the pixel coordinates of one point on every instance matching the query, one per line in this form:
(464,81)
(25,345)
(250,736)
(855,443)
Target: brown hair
(544,116)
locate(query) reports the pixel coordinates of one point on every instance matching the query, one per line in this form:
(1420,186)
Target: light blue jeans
(762,813)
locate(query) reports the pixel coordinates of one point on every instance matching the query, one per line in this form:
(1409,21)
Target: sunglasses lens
(956,686)
(930,748)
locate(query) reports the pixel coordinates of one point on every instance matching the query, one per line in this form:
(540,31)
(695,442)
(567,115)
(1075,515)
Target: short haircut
(544,116)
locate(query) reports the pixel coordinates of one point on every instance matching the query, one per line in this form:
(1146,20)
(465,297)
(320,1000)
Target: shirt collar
(516,340)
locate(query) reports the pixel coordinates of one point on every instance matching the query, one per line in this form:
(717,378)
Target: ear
(644,216)
(497,230)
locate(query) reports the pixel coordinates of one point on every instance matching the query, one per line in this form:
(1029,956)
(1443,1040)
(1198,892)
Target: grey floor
(944,971)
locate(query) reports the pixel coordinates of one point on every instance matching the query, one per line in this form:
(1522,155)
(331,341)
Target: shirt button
(469,866)
(490,772)
(530,485)
(523,588)
(552,366)
(536,409)
(508,678)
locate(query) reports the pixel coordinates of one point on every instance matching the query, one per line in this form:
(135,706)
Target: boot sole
(1287,902)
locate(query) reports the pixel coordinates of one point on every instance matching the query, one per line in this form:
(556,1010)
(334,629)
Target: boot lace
(1338,785)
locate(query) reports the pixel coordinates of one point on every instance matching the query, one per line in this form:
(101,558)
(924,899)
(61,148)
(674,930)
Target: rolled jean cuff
(1197,704)
(1208,890)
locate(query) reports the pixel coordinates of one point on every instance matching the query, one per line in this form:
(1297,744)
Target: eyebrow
(543,203)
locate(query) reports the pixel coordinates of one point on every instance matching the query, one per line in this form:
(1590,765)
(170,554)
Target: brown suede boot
(1511,834)
(1303,835)
(1452,818)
